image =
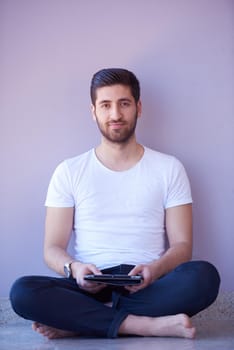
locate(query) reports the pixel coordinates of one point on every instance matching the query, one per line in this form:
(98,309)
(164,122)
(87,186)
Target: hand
(79,270)
(146,272)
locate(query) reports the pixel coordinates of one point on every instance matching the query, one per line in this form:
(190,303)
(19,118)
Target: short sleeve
(179,191)
(59,192)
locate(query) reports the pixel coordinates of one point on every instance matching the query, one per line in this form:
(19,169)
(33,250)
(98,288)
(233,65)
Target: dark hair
(113,76)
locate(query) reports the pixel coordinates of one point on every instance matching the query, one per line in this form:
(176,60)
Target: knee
(19,294)
(209,273)
(208,279)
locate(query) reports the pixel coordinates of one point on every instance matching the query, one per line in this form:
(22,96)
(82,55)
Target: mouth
(116,125)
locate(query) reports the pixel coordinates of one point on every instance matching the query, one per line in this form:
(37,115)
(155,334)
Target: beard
(119,135)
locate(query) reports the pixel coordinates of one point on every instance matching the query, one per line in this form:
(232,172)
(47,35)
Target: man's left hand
(146,272)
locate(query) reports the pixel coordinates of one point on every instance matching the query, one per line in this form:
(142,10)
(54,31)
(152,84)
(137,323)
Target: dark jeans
(60,303)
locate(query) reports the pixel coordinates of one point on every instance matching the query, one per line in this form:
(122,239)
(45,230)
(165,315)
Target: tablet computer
(115,279)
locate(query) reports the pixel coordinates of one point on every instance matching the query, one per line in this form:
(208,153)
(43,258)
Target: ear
(139,108)
(93,112)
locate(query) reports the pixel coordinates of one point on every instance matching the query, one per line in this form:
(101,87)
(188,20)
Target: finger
(90,283)
(95,270)
(136,270)
(93,285)
(135,288)
(95,289)
(132,290)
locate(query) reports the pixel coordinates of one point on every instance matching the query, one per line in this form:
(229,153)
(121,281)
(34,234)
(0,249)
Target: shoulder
(172,175)
(161,159)
(76,163)
(165,165)
(77,160)
(71,168)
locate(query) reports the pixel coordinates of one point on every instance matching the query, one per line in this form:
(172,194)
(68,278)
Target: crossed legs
(59,308)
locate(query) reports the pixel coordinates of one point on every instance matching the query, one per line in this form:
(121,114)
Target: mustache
(120,121)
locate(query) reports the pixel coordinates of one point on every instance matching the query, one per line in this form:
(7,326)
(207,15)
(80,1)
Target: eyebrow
(124,99)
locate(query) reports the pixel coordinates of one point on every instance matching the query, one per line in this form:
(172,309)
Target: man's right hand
(79,270)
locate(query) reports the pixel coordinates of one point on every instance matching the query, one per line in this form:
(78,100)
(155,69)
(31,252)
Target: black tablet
(115,280)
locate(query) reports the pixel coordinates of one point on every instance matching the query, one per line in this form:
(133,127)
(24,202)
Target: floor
(211,334)
(215,331)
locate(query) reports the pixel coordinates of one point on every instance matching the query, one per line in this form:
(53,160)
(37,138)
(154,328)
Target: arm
(178,222)
(58,228)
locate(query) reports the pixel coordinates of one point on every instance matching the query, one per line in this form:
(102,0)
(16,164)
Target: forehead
(113,93)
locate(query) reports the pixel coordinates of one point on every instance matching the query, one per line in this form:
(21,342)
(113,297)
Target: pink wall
(181,50)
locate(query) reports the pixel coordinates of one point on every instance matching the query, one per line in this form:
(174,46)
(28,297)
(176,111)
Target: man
(122,199)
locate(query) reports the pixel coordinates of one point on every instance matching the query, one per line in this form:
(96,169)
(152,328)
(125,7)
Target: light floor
(213,334)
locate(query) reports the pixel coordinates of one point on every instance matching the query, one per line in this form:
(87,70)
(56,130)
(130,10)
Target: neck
(119,157)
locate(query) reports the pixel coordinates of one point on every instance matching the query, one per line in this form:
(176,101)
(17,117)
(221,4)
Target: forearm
(179,232)
(174,256)
(55,257)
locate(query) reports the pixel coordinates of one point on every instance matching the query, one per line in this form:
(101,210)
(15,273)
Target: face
(116,113)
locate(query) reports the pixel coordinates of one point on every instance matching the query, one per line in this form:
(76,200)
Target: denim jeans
(60,303)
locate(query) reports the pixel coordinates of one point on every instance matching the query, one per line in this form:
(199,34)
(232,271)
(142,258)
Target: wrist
(68,271)
(74,265)
(155,270)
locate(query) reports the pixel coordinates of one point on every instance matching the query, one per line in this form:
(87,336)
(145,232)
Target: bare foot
(174,326)
(50,332)
(167,326)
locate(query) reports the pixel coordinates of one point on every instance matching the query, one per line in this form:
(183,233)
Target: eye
(105,105)
(125,104)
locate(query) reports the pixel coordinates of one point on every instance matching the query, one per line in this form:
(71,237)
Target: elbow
(47,254)
(46,257)
(187,251)
(183,251)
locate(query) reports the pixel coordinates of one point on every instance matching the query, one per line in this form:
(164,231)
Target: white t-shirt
(119,215)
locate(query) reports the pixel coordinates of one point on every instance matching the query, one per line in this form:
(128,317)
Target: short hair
(113,76)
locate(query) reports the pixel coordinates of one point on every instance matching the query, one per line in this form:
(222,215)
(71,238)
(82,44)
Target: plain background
(181,51)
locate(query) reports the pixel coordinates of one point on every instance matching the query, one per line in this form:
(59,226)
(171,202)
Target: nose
(115,112)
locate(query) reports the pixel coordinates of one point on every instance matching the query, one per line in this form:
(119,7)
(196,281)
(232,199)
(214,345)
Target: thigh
(26,287)
(60,303)
(189,288)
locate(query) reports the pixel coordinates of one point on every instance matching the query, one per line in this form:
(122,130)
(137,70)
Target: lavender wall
(182,52)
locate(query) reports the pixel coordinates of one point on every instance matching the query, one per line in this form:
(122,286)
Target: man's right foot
(50,332)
